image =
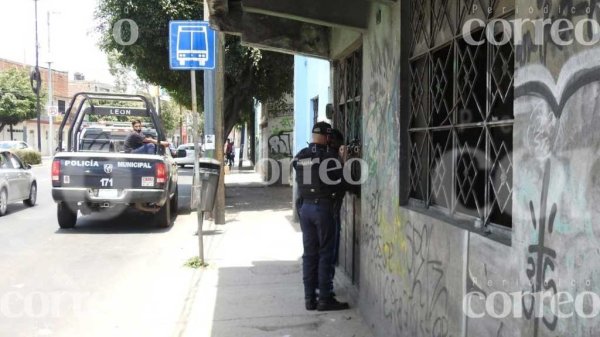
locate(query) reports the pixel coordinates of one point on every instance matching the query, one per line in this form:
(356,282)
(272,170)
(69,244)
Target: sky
(73,39)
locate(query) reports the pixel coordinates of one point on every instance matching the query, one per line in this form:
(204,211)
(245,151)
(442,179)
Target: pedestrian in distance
(317,194)
(229,154)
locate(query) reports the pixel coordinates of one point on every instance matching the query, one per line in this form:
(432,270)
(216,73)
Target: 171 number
(106,182)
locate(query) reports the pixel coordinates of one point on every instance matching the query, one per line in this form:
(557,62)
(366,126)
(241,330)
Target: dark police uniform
(317,219)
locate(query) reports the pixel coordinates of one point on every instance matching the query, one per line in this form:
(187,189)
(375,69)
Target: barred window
(461,109)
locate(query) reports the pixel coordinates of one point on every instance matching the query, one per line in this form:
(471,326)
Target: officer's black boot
(310,303)
(330,304)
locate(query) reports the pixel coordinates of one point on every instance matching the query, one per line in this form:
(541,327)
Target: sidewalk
(253,284)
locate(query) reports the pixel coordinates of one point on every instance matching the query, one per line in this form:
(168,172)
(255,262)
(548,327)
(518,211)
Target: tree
(17,99)
(169,116)
(249,73)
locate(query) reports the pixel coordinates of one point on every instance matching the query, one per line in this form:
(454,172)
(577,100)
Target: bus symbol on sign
(191,45)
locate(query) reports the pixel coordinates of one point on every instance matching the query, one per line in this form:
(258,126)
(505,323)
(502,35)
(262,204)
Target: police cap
(322,128)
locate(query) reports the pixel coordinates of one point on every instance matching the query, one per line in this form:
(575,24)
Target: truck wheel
(175,201)
(66,216)
(163,217)
(32,196)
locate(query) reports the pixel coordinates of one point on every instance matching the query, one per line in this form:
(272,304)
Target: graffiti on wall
(578,72)
(280,108)
(541,259)
(416,304)
(280,145)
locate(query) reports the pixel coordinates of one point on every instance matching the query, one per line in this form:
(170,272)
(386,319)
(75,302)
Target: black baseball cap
(322,128)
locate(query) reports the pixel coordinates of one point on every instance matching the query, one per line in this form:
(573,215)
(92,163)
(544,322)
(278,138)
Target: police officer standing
(319,176)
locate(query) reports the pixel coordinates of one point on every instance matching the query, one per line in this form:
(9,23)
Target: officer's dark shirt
(133,141)
(307,163)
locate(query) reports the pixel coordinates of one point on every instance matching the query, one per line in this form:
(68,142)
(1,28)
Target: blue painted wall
(311,79)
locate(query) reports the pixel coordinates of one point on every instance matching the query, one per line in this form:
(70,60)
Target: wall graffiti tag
(542,259)
(280,145)
(417,304)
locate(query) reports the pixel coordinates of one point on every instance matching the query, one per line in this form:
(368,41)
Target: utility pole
(180,125)
(242,145)
(37,72)
(214,82)
(50,98)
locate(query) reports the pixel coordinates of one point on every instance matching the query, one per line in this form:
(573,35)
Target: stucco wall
(311,79)
(416,268)
(557,110)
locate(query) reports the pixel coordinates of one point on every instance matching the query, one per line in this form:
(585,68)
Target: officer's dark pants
(318,235)
(337,207)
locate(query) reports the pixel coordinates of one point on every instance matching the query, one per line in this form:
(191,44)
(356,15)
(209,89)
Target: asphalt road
(120,277)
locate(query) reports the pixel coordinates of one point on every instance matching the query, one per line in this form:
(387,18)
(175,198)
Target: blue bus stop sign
(191,45)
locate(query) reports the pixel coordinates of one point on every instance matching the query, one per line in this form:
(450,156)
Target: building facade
(27,130)
(480,151)
(275,137)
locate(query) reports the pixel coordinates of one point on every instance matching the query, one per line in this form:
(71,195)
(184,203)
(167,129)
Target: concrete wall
(417,266)
(275,137)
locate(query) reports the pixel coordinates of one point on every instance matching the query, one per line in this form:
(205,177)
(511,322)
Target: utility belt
(319,200)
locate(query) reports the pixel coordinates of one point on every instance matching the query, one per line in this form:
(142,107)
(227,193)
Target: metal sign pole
(196,183)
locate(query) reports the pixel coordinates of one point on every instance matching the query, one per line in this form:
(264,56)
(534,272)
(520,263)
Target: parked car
(17,182)
(13,145)
(185,154)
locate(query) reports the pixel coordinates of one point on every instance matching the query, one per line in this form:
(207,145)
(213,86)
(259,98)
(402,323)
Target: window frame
(425,50)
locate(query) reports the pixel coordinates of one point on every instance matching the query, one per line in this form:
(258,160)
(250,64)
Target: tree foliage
(249,73)
(169,116)
(17,99)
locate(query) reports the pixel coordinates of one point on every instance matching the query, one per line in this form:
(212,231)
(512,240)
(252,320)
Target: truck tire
(163,216)
(66,216)
(175,201)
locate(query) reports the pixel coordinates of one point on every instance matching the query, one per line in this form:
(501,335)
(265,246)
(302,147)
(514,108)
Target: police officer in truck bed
(319,177)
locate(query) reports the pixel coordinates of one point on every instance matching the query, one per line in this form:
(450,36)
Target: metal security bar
(347,118)
(461,111)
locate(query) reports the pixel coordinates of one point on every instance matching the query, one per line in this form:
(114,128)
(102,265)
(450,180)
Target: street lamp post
(50,98)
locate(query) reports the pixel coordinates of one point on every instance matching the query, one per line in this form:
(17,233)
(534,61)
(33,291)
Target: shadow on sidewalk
(251,198)
(267,299)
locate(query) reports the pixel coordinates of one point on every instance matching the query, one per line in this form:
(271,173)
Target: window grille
(461,110)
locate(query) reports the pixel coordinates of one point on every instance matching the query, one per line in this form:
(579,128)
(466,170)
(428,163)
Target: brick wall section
(60,79)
